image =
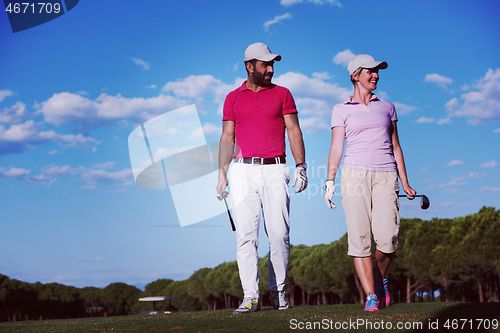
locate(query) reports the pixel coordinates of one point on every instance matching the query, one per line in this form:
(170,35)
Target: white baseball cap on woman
(364,61)
(260,51)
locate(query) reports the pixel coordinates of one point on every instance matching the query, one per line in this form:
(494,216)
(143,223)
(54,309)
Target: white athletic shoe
(278,300)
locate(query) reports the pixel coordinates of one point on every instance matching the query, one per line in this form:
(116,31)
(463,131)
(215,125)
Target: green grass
(416,317)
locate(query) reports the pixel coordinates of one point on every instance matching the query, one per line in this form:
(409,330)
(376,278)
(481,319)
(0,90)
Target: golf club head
(424,202)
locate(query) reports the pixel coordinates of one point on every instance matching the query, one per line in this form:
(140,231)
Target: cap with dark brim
(260,51)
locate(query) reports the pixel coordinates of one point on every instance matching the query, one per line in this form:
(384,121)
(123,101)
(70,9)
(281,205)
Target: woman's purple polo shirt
(368,133)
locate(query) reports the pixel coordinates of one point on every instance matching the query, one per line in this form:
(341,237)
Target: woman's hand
(410,193)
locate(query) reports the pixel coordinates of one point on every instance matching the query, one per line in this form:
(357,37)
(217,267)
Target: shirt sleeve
(227,111)
(394,116)
(337,118)
(289,103)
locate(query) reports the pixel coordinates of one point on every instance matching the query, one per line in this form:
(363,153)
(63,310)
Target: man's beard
(260,79)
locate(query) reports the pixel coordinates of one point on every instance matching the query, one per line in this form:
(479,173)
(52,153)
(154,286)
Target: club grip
(231,220)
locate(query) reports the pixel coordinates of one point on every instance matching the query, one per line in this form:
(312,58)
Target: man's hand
(221,187)
(300,178)
(329,191)
(221,194)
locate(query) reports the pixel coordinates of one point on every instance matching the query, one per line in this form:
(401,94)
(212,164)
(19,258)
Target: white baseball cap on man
(364,61)
(260,51)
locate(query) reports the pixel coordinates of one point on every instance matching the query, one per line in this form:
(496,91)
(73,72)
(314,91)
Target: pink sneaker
(371,303)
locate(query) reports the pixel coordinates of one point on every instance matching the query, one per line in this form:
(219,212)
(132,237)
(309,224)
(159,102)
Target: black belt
(260,160)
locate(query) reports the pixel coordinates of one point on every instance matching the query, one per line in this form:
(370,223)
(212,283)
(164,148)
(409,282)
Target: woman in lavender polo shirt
(369,179)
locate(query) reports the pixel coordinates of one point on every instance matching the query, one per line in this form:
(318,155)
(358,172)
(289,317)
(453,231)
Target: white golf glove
(329,191)
(222,194)
(300,178)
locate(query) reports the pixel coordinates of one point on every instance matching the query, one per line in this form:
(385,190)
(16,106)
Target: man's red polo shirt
(258,118)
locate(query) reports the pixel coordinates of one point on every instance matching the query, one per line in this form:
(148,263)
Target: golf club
(220,196)
(424,201)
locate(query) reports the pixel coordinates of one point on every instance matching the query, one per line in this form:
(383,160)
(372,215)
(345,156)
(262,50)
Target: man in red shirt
(254,121)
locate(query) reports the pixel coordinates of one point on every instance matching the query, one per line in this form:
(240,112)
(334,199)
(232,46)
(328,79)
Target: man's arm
(298,151)
(295,137)
(226,150)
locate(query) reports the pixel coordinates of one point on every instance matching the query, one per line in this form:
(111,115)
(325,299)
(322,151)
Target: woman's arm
(400,163)
(336,151)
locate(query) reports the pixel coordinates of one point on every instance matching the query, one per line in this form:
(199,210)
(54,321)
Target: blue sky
(73,89)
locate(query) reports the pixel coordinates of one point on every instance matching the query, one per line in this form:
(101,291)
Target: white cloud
(199,86)
(302,86)
(276,19)
(162,153)
(212,130)
(497,130)
(480,105)
(490,188)
(28,132)
(404,109)
(490,164)
(452,103)
(314,98)
(317,2)
(54,170)
(66,108)
(314,114)
(314,95)
(4,94)
(440,80)
(443,121)
(14,114)
(141,62)
(342,58)
(313,124)
(153,86)
(197,133)
(476,175)
(40,180)
(455,181)
(13,173)
(23,175)
(424,120)
(75,140)
(93,177)
(455,162)
(321,76)
(107,165)
(66,170)
(19,136)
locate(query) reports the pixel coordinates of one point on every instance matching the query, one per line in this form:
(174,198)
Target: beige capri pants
(371,206)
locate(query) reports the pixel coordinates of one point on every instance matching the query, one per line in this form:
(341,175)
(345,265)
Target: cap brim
(270,57)
(376,64)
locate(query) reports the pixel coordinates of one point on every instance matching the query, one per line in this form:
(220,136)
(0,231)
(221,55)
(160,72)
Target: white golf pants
(254,187)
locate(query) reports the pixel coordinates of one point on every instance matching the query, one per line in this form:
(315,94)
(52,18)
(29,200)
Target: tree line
(457,259)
